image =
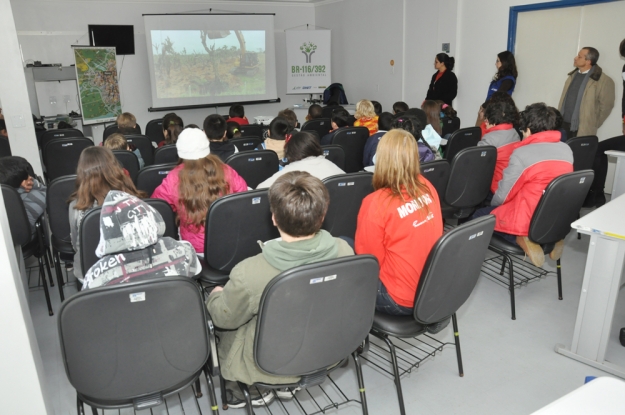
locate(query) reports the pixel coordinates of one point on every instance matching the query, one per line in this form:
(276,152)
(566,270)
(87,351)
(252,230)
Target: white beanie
(192,144)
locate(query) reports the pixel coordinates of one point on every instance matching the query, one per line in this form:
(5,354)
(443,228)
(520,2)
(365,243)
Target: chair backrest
(154,130)
(450,125)
(234,224)
(144,145)
(129,161)
(471,174)
(246,143)
(63,133)
(452,270)
(346,194)
(108,130)
(584,149)
(123,341)
(559,206)
(5,148)
(60,156)
(437,172)
(251,130)
(59,191)
(320,125)
(321,290)
(353,140)
(150,177)
(254,167)
(166,154)
(461,139)
(335,154)
(90,230)
(16,213)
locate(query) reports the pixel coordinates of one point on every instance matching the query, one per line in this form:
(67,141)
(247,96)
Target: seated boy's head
(3,128)
(126,123)
(400,107)
(377,107)
(279,128)
(215,127)
(501,112)
(314,111)
(236,111)
(298,203)
(15,171)
(536,118)
(290,116)
(385,121)
(340,118)
(116,141)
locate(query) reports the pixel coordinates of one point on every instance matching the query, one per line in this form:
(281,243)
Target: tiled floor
(510,366)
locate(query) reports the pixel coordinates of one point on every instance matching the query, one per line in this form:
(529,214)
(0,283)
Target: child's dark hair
(559,118)
(279,128)
(385,120)
(400,106)
(411,124)
(301,145)
(236,110)
(315,111)
(63,125)
(233,129)
(214,127)
(14,170)
(377,107)
(340,117)
(173,125)
(502,112)
(447,110)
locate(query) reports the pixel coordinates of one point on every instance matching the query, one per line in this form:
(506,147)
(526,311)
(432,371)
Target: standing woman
(505,78)
(444,84)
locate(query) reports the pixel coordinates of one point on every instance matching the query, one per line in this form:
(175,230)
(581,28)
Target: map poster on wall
(98,91)
(308,55)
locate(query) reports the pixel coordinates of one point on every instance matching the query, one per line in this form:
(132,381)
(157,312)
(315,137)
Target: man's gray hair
(592,55)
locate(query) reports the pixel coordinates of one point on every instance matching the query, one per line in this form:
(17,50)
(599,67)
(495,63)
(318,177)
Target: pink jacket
(168,191)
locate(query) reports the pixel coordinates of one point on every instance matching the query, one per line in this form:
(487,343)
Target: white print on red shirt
(429,217)
(414,205)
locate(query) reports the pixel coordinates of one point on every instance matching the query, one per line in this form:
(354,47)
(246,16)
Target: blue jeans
(385,304)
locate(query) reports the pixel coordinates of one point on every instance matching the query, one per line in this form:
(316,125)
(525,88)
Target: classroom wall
(47,28)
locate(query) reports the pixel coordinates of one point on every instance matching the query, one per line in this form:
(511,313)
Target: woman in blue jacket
(505,78)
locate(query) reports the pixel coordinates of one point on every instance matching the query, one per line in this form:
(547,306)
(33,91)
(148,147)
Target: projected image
(198,63)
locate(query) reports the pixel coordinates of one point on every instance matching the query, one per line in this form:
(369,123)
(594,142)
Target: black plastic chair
(166,154)
(90,230)
(150,177)
(5,147)
(469,182)
(437,172)
(246,143)
(346,194)
(254,167)
(60,156)
(450,125)
(63,133)
(144,145)
(251,130)
(353,140)
(321,126)
(234,225)
(108,130)
(129,161)
(154,130)
(22,235)
(335,154)
(461,139)
(129,352)
(57,208)
(558,207)
(584,149)
(312,345)
(447,280)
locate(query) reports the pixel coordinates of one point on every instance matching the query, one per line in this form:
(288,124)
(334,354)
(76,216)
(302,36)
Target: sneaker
(69,266)
(236,399)
(556,253)
(287,393)
(532,249)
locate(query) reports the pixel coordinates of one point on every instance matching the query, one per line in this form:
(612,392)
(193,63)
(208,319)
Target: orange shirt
(400,234)
(370,123)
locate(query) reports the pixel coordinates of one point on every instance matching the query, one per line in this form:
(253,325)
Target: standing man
(587,97)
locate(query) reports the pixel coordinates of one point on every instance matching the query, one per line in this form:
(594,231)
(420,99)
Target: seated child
(237,114)
(117,141)
(233,130)
(298,203)
(291,117)
(377,107)
(400,107)
(127,124)
(215,130)
(366,116)
(172,127)
(314,111)
(432,131)
(384,125)
(132,247)
(280,130)
(340,119)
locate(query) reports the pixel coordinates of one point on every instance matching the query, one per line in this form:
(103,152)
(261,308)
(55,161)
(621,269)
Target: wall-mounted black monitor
(120,36)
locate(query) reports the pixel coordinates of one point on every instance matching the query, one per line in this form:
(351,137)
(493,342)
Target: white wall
(47,29)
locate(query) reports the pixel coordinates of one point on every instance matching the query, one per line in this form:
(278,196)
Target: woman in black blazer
(444,84)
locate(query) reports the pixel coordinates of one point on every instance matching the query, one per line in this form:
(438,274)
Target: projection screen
(210,59)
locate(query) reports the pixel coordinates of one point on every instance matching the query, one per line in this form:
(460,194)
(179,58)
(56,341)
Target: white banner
(308,57)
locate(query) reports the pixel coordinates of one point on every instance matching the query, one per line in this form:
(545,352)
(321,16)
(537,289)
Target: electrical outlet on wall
(446,47)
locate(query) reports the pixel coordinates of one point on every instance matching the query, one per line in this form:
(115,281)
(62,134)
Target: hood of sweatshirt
(285,255)
(127,223)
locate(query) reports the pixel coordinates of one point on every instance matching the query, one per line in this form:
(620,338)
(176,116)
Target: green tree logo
(308,49)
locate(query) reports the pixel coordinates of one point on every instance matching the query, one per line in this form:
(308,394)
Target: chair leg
(248,398)
(361,384)
(454,320)
(80,408)
(511,288)
(59,274)
(224,397)
(559,270)
(42,274)
(400,395)
(211,393)
(94,411)
(198,388)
